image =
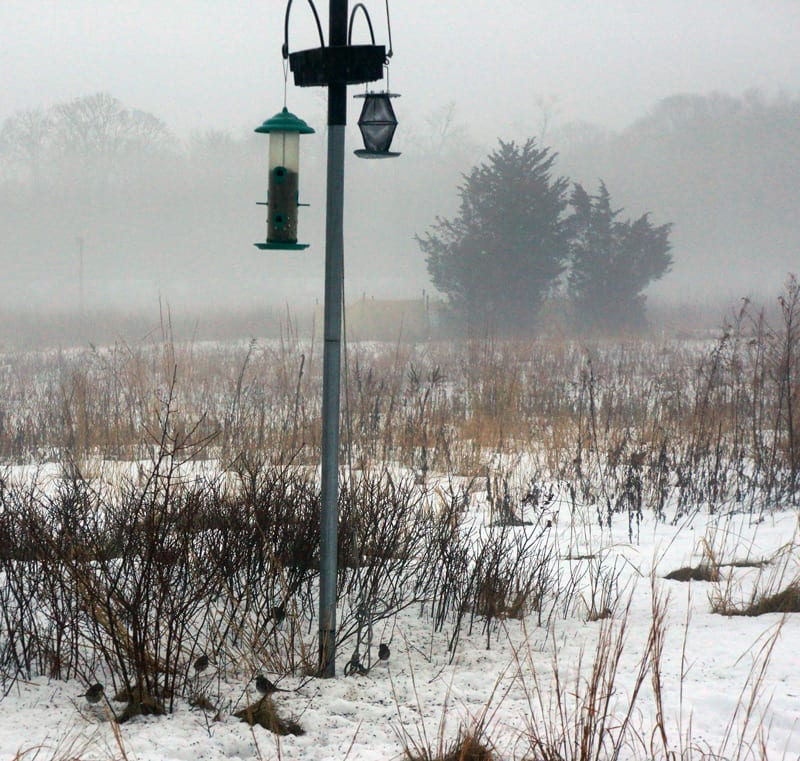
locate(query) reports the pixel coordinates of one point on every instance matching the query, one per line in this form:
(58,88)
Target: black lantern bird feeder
(377,121)
(377,124)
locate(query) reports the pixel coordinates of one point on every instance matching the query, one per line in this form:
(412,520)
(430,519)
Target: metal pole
(331,363)
(79,241)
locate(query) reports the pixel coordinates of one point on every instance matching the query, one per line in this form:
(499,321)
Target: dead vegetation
(786,600)
(702,572)
(264,713)
(627,426)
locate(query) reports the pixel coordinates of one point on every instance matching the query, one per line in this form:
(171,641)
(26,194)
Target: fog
(687,110)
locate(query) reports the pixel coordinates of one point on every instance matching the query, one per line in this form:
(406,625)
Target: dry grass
(75,747)
(786,600)
(620,427)
(264,713)
(629,425)
(582,720)
(774,584)
(467,746)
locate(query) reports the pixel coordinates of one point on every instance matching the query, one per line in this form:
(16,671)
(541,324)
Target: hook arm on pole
(285,48)
(352,19)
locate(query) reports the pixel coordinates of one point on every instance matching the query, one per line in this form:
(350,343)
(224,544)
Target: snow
(422,696)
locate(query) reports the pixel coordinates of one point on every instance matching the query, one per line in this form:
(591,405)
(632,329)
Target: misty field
(572,549)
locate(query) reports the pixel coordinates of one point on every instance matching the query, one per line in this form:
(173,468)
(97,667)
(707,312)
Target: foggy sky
(204,63)
(508,65)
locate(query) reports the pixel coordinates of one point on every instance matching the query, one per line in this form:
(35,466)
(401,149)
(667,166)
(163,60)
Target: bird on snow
(266,687)
(384,652)
(201,664)
(94,693)
(278,614)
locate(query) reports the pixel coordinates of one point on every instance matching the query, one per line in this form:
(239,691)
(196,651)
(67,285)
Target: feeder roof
(285,121)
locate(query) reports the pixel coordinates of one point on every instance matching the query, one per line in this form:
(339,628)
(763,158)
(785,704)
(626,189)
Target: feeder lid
(285,121)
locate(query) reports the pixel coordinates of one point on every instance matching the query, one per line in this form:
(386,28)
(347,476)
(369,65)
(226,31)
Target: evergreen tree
(506,248)
(612,262)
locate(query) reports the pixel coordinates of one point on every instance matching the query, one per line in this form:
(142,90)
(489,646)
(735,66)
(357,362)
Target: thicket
(133,580)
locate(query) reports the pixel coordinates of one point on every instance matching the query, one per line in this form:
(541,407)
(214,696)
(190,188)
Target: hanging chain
(390,53)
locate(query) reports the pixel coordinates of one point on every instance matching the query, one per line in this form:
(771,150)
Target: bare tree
(98,136)
(24,143)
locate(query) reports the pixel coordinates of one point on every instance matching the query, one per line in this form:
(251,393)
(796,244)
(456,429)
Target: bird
(266,687)
(94,693)
(278,614)
(201,664)
(384,652)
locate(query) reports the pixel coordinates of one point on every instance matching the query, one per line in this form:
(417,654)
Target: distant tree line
(722,169)
(90,144)
(147,203)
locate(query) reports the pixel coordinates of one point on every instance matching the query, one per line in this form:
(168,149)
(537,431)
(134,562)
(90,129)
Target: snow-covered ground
(708,668)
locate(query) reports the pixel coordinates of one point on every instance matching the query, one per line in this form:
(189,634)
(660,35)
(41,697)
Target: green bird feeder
(284,130)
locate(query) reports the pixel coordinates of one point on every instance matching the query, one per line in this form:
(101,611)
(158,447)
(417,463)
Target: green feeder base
(268,246)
